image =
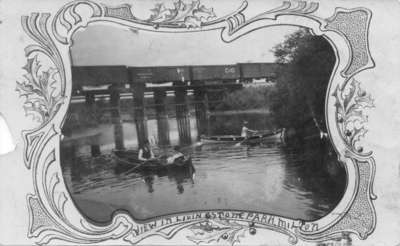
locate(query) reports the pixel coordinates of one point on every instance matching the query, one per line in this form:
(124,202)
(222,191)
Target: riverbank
(236,112)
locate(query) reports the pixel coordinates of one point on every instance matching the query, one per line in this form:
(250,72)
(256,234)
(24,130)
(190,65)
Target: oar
(141,164)
(240,143)
(134,168)
(244,140)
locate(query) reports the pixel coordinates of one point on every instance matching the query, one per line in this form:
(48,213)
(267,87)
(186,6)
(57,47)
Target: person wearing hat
(246,132)
(145,152)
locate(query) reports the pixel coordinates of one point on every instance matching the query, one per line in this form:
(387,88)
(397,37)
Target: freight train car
(215,73)
(92,76)
(159,74)
(95,76)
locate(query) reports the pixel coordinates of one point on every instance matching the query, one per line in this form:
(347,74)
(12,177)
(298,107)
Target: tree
(303,79)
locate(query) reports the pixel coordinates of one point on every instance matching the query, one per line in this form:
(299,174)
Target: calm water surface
(299,181)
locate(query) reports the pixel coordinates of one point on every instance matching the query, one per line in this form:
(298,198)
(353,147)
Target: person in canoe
(246,132)
(145,152)
(176,156)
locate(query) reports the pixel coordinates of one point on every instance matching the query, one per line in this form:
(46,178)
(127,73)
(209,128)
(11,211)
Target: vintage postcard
(199,122)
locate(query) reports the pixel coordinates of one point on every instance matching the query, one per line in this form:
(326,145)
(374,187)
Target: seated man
(176,156)
(145,152)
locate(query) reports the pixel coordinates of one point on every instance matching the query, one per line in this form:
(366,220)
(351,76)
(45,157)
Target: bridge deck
(209,87)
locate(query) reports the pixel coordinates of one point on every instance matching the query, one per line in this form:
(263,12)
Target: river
(295,180)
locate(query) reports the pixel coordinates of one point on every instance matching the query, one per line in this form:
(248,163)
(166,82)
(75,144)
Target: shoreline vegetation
(297,99)
(240,112)
(247,98)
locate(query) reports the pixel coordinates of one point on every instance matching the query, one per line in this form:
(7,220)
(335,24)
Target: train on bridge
(205,83)
(97,76)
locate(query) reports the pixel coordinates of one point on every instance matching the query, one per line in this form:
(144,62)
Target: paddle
(244,140)
(240,143)
(142,164)
(134,168)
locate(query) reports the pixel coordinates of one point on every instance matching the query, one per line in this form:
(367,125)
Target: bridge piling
(182,115)
(90,102)
(201,108)
(160,97)
(139,112)
(116,118)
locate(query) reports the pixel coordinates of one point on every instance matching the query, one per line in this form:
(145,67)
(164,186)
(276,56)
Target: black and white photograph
(199,122)
(166,123)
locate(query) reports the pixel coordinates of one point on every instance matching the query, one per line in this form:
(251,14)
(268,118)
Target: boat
(129,158)
(277,135)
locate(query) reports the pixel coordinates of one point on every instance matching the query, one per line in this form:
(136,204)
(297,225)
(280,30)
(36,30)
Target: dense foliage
(247,98)
(303,81)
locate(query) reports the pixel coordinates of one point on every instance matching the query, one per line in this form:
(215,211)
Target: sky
(101,44)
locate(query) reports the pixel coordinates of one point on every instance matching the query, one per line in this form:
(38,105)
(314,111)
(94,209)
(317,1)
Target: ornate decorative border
(47,88)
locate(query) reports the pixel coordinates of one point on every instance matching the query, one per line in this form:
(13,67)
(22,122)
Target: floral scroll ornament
(350,106)
(42,100)
(44,89)
(185,14)
(217,229)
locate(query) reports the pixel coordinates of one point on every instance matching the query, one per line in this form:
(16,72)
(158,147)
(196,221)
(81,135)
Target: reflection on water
(296,180)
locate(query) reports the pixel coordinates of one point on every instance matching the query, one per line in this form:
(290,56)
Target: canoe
(277,135)
(129,158)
